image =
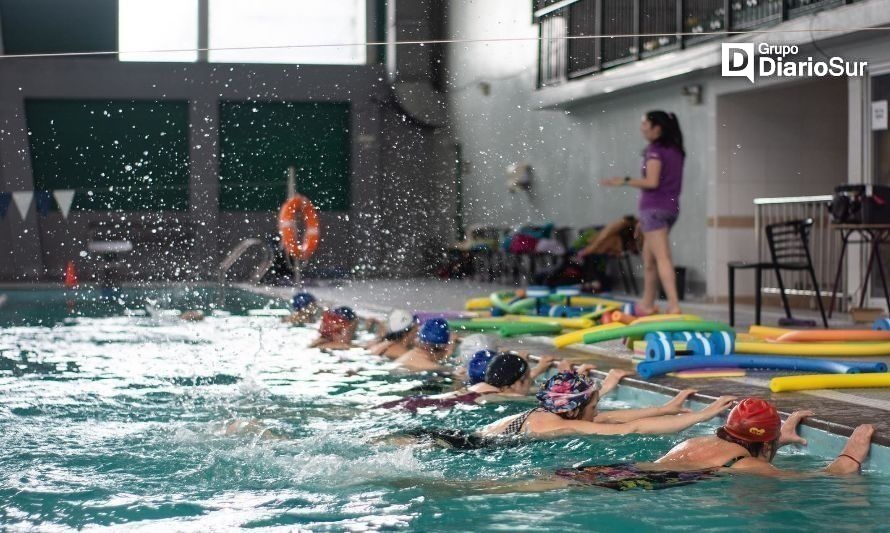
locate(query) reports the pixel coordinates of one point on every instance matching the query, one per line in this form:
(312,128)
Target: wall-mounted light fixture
(693,92)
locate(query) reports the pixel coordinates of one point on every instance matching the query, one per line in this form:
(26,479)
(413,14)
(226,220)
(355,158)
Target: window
(148,26)
(281,23)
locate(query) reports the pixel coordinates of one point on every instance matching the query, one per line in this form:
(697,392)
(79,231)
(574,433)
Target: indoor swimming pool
(114,413)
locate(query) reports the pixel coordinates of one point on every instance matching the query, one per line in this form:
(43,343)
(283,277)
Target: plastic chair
(789,248)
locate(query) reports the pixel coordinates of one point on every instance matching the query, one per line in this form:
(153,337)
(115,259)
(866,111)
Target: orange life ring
(287,216)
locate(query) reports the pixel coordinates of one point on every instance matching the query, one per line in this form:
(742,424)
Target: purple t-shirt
(666,197)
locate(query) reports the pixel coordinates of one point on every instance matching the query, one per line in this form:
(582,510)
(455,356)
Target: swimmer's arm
(622,416)
(544,363)
(673,407)
(664,424)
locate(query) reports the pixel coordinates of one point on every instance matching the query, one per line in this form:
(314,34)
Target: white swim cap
(399,320)
(473,343)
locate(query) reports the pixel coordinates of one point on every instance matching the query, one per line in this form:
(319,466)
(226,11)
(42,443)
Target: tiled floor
(838,411)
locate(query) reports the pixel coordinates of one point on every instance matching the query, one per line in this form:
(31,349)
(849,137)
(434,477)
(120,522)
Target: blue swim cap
(345,313)
(434,331)
(478,364)
(302,300)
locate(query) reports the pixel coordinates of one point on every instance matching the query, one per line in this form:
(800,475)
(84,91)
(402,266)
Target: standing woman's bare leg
(660,247)
(650,278)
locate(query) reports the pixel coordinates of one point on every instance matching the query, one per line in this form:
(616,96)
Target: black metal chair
(789,248)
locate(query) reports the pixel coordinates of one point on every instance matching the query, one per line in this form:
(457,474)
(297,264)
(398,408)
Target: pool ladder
(239,250)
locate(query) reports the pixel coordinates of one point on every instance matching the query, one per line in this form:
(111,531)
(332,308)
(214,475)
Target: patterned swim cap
(566,392)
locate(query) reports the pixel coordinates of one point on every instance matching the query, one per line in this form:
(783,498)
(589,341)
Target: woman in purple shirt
(661,181)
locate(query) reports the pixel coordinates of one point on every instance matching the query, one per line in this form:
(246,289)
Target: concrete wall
(399,169)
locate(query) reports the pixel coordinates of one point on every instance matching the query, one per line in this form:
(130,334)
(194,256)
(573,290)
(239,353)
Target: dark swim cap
(302,301)
(345,313)
(505,369)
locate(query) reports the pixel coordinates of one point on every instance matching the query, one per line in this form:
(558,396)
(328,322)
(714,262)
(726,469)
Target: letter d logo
(738,60)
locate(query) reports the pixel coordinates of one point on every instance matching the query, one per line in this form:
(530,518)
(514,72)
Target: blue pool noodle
(651,369)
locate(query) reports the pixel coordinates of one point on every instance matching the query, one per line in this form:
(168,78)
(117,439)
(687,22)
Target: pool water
(130,435)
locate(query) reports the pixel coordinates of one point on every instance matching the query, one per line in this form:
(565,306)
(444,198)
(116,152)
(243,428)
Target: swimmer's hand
(675,405)
(612,378)
(788,434)
(612,182)
(720,404)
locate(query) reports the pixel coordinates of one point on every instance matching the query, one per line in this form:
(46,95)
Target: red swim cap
(754,420)
(331,324)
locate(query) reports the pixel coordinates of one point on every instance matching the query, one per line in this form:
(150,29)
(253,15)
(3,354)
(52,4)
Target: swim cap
(566,392)
(754,420)
(434,331)
(399,321)
(332,324)
(478,364)
(505,369)
(302,300)
(345,313)
(471,344)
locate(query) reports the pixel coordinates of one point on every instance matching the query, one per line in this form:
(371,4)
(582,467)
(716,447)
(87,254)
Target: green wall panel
(118,154)
(54,26)
(258,141)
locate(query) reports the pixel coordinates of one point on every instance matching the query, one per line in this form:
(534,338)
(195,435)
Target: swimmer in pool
(401,331)
(568,406)
(336,329)
(746,444)
(493,377)
(433,347)
(304,309)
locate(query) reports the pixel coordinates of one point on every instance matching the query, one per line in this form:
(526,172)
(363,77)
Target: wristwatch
(626,180)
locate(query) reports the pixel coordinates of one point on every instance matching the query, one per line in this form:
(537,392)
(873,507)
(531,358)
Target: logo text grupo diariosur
(739,60)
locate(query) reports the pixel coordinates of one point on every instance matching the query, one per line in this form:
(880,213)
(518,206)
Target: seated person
(336,329)
(401,330)
(611,241)
(304,309)
(746,444)
(504,375)
(433,347)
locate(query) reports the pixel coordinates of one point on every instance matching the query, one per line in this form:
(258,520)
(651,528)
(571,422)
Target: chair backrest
(789,243)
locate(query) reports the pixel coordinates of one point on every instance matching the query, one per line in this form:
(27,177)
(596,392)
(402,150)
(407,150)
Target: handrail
(238,251)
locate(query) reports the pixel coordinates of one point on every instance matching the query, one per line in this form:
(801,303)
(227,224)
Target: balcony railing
(580,37)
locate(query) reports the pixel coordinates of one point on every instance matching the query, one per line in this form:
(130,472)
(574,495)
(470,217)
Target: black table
(872,234)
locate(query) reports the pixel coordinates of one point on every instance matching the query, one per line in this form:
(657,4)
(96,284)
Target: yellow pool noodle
(830,381)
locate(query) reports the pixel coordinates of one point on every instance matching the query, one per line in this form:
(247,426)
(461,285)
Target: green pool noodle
(639,330)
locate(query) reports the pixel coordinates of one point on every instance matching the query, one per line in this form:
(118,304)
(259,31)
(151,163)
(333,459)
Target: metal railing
(661,21)
(266,259)
(824,244)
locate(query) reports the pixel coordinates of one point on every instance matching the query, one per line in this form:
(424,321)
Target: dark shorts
(629,476)
(656,219)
